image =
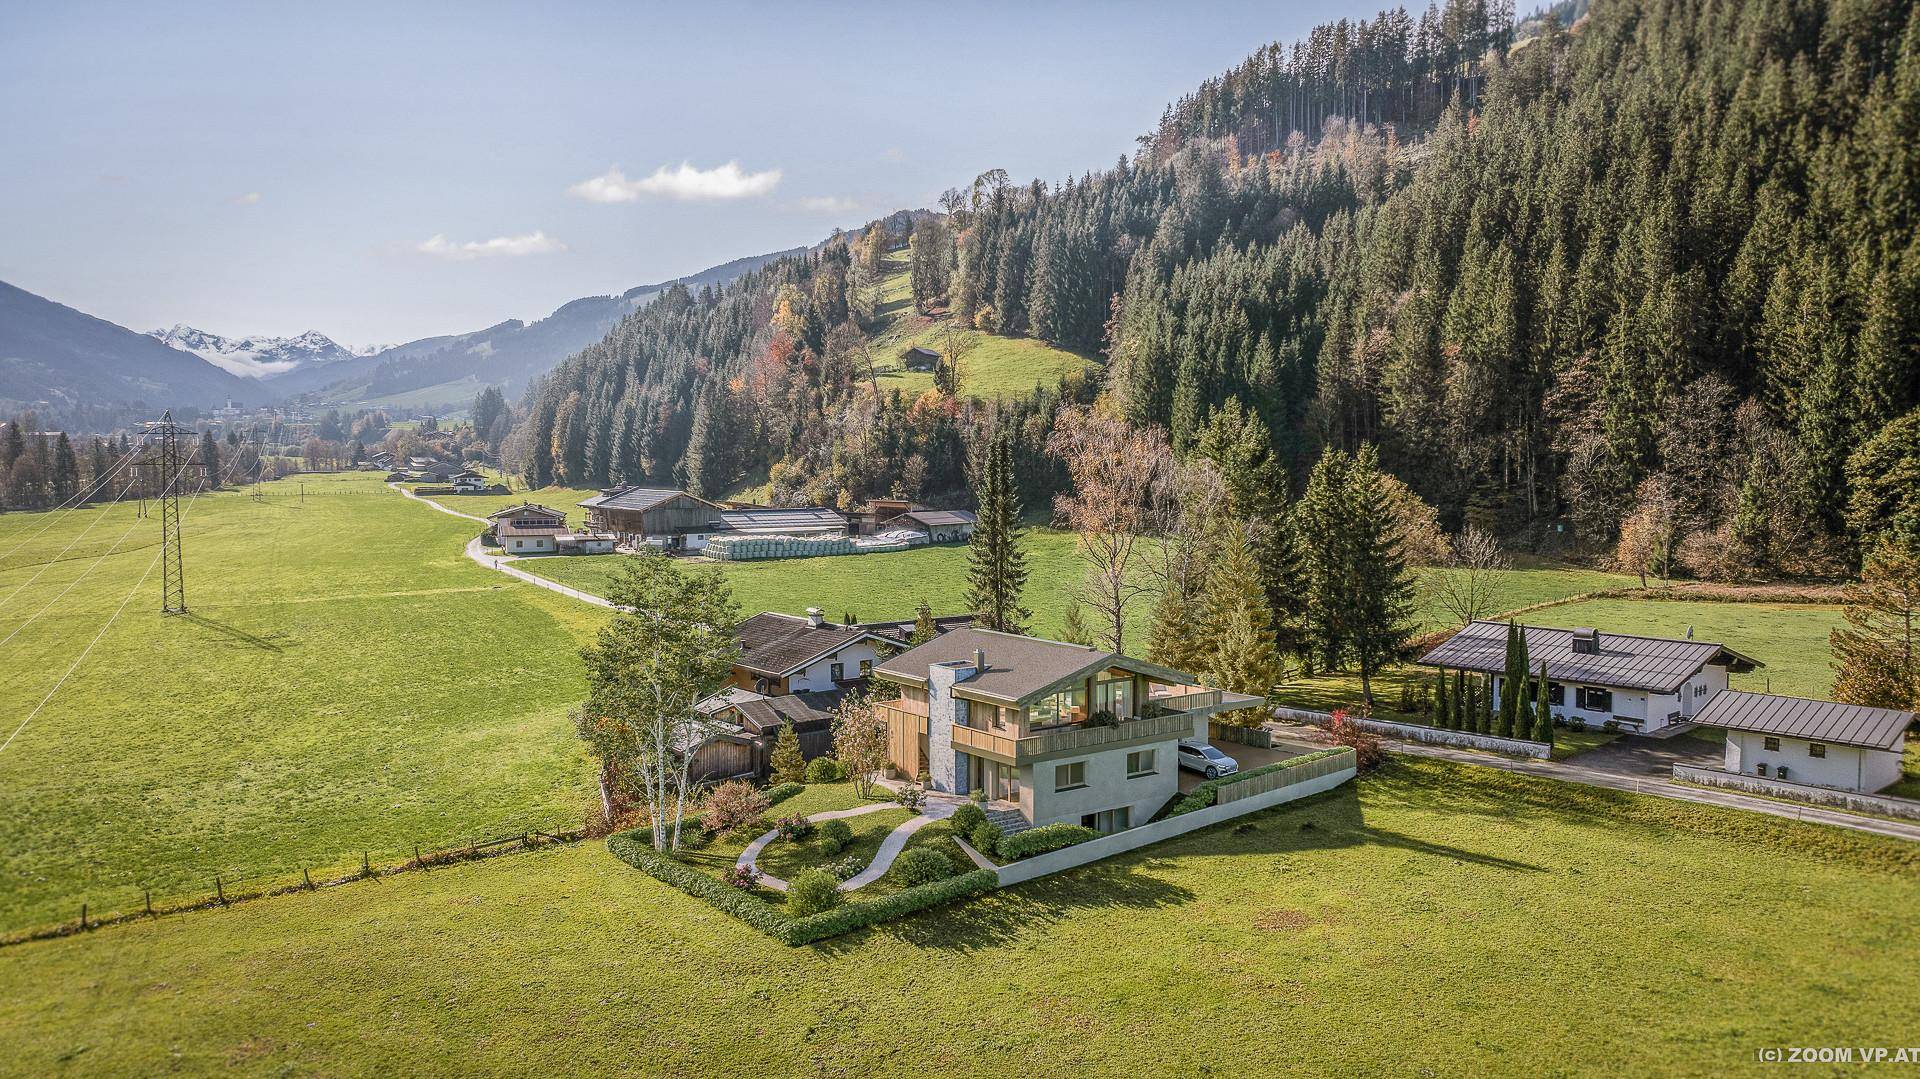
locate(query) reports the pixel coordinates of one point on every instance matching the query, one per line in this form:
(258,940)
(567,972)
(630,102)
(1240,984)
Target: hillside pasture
(1419,921)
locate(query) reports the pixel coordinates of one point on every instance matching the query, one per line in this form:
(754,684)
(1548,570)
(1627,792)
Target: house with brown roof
(653,516)
(1056,731)
(1845,747)
(528,528)
(783,653)
(1641,684)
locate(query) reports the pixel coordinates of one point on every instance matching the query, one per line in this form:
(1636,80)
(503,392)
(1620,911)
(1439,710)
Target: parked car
(1208,761)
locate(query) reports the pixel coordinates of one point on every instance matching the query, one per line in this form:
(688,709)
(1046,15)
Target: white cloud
(726,181)
(829,204)
(532,243)
(247,199)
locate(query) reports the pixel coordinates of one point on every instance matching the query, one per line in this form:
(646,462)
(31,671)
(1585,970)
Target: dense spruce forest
(1652,272)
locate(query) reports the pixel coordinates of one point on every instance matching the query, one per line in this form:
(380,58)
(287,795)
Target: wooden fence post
(306,877)
(366,868)
(219,892)
(83,915)
(149,894)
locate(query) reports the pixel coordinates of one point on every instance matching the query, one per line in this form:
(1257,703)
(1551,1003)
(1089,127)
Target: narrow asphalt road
(478,552)
(1571,771)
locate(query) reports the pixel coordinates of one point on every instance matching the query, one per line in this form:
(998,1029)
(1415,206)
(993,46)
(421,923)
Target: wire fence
(138,902)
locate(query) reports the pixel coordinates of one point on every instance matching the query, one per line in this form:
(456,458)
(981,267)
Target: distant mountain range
(62,361)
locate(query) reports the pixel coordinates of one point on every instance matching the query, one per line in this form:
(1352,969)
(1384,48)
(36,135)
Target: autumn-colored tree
(1878,653)
(860,742)
(1113,465)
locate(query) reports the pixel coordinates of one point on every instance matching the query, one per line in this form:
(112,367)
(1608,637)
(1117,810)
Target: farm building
(657,516)
(918,358)
(1819,743)
(770,521)
(1641,684)
(585,542)
(938,526)
(528,528)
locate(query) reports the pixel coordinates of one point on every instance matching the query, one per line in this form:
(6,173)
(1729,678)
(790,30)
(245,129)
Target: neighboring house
(1848,747)
(760,718)
(938,526)
(1642,684)
(528,528)
(469,483)
(1059,731)
(782,654)
(916,358)
(657,516)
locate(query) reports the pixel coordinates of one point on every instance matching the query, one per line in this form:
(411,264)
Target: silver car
(1208,761)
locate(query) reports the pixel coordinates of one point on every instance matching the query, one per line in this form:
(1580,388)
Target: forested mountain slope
(1660,266)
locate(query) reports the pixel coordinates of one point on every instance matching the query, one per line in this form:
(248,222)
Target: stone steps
(1008,821)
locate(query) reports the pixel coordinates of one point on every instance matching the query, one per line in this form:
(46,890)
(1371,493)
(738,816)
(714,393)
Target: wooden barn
(660,516)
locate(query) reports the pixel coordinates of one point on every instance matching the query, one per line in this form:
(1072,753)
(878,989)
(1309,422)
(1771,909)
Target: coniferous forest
(1650,275)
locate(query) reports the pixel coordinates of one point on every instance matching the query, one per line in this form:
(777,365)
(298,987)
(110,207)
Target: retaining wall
(1799,792)
(1107,846)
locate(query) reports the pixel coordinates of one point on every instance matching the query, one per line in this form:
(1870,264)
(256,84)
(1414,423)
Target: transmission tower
(173,571)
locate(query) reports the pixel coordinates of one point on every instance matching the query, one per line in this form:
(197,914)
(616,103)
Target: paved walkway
(1573,771)
(478,552)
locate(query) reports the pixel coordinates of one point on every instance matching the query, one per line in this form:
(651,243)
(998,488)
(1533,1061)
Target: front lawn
(787,859)
(1417,921)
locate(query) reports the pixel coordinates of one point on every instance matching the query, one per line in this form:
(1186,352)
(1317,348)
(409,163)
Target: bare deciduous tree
(1468,587)
(1113,466)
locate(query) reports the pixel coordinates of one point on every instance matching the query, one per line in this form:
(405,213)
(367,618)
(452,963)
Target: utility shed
(1847,747)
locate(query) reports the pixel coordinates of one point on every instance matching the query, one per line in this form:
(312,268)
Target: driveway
(1633,756)
(1250,757)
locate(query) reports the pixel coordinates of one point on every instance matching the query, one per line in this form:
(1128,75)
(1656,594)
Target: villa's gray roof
(1659,664)
(1019,668)
(1799,717)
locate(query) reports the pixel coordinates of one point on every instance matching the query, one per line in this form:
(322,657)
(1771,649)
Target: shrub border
(1045,839)
(635,848)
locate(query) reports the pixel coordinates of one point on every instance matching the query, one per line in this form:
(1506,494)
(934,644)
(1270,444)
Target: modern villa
(1641,684)
(1057,731)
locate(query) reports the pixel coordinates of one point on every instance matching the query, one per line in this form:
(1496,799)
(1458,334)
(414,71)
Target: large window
(1114,695)
(1066,706)
(1140,763)
(1069,777)
(1594,699)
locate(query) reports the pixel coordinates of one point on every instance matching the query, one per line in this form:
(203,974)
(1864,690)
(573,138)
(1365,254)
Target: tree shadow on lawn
(1327,821)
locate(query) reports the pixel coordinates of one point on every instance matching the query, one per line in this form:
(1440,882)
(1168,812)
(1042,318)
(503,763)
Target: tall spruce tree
(1237,623)
(1442,715)
(996,562)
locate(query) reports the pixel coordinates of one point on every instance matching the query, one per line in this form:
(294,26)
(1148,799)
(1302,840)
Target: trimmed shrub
(744,877)
(782,792)
(845,869)
(824,770)
(912,796)
(921,865)
(812,892)
(1368,753)
(1043,839)
(851,916)
(968,817)
(835,835)
(985,838)
(733,805)
(794,829)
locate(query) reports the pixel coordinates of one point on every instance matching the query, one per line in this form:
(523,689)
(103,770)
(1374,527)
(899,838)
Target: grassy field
(990,366)
(1433,919)
(346,682)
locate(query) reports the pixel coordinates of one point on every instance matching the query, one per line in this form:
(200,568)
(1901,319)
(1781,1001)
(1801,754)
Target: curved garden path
(938,807)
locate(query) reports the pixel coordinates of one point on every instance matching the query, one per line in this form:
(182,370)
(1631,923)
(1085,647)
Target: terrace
(1171,712)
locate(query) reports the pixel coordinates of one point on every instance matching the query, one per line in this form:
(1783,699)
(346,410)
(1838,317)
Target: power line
(77,500)
(102,632)
(63,551)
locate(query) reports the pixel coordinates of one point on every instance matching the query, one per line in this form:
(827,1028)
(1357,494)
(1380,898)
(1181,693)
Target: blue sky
(385,172)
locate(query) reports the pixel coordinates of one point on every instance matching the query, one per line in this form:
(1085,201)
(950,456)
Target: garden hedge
(776,795)
(635,848)
(1204,795)
(1043,839)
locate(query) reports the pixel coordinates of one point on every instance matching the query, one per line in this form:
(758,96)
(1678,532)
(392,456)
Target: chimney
(1586,641)
(979,660)
(816,617)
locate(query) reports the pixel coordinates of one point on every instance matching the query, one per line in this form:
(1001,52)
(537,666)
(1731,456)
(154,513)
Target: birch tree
(670,645)
(1113,466)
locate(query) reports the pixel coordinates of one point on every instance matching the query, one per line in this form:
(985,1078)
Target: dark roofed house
(1058,731)
(1643,684)
(659,516)
(918,358)
(1846,747)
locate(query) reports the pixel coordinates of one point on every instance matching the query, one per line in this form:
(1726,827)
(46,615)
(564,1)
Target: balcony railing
(1073,739)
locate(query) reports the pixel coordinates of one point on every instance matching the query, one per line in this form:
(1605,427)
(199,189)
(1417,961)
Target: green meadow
(345,684)
(1430,919)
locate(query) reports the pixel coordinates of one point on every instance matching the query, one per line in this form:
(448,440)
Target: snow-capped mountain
(259,357)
